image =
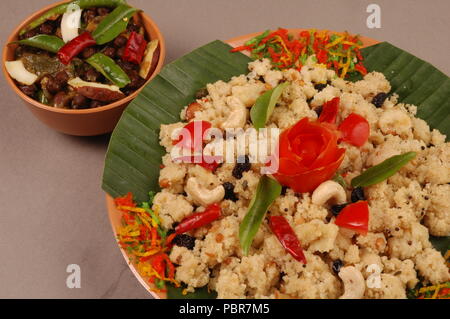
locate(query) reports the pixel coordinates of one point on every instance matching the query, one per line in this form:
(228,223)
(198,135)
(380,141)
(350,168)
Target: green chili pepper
(114,24)
(53,13)
(268,190)
(258,38)
(265,104)
(106,66)
(45,42)
(42,98)
(382,171)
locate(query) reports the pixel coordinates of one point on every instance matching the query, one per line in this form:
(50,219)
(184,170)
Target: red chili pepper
(193,138)
(126,200)
(135,48)
(73,48)
(285,234)
(361,68)
(329,111)
(355,130)
(242,48)
(197,220)
(355,216)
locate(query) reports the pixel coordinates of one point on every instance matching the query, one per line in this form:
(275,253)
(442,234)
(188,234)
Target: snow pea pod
(55,12)
(45,42)
(109,69)
(114,24)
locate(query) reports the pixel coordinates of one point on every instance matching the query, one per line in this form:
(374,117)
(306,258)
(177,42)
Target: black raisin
(284,190)
(318,110)
(184,240)
(229,191)
(337,264)
(319,87)
(201,93)
(243,165)
(336,209)
(358,194)
(379,99)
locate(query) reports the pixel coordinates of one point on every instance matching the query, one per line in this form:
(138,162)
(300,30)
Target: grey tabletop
(52,211)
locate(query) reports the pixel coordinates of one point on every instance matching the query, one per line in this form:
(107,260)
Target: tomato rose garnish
(308,155)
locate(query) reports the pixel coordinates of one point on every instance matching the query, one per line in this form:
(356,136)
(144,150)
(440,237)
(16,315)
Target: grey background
(52,209)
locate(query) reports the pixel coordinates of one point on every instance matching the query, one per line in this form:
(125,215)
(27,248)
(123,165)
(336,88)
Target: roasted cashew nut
(329,190)
(354,283)
(238,116)
(203,196)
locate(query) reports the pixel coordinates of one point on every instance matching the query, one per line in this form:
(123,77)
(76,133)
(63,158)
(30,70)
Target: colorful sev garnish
(146,241)
(340,52)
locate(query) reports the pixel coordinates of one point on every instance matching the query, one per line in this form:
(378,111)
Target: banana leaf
(134,155)
(415,81)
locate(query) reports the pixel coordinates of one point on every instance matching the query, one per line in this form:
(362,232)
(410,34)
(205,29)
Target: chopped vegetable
(114,24)
(70,22)
(340,52)
(147,62)
(17,71)
(139,236)
(74,47)
(45,42)
(355,130)
(354,216)
(329,111)
(265,104)
(106,66)
(192,135)
(267,191)
(197,220)
(285,234)
(135,48)
(382,171)
(55,12)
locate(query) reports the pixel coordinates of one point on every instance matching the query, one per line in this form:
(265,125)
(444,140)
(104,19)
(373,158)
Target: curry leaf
(268,190)
(263,108)
(382,171)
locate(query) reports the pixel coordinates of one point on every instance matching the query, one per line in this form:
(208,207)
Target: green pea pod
(114,24)
(267,191)
(55,12)
(106,66)
(382,171)
(45,42)
(263,108)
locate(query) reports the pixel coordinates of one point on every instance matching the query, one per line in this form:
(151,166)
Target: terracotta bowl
(115,215)
(87,122)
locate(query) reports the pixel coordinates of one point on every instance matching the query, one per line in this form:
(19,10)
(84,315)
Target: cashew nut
(238,116)
(329,190)
(354,284)
(201,195)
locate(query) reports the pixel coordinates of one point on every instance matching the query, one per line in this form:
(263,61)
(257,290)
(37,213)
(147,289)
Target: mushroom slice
(17,71)
(97,91)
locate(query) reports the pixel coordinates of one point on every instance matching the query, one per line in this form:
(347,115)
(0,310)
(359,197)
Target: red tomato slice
(355,216)
(355,130)
(329,111)
(193,137)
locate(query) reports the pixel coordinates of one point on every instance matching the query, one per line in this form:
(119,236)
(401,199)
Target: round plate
(115,215)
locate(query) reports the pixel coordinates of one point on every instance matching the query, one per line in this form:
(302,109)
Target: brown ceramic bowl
(115,215)
(88,122)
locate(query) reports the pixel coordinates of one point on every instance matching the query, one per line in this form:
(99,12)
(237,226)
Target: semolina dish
(382,253)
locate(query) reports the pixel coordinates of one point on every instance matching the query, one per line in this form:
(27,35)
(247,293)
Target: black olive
(319,87)
(336,209)
(337,264)
(379,99)
(229,191)
(242,166)
(184,240)
(358,194)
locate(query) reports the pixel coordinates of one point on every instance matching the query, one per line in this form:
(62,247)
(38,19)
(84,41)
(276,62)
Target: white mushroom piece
(354,283)
(201,195)
(329,190)
(238,115)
